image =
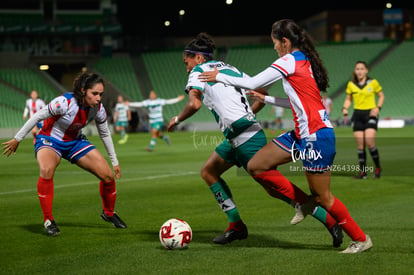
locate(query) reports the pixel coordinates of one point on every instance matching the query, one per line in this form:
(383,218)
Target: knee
(253,170)
(206,173)
(325,201)
(107,175)
(47,172)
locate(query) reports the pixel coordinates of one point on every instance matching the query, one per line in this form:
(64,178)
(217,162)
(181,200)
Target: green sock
(122,134)
(153,142)
(223,197)
(320,214)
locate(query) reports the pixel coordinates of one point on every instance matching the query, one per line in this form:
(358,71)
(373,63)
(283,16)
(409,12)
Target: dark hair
(353,76)
(203,44)
(85,81)
(302,40)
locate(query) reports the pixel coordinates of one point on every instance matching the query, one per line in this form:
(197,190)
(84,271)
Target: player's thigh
(267,158)
(96,164)
(48,160)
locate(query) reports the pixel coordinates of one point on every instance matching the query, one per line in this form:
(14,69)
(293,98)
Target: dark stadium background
(242,17)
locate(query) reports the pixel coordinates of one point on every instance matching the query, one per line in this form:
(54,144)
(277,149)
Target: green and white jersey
(122,110)
(228,104)
(154,107)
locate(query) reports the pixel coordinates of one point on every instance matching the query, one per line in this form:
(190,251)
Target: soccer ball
(175,234)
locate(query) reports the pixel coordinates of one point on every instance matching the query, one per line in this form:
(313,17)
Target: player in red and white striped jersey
(33,104)
(61,137)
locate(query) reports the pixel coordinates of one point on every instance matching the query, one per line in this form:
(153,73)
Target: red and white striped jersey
(32,106)
(68,118)
(305,98)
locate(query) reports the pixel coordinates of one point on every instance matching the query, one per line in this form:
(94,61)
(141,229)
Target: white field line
(97,181)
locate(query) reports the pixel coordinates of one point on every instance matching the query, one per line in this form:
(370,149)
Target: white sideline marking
(95,182)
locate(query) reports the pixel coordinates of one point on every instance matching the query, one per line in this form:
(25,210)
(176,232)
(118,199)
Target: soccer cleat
(123,140)
(149,149)
(377,174)
(168,140)
(358,247)
(51,228)
(336,233)
(361,176)
(302,210)
(115,220)
(230,235)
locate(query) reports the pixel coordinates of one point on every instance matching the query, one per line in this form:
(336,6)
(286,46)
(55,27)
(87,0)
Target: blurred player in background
(244,137)
(279,115)
(303,76)
(61,136)
(156,119)
(327,102)
(33,105)
(362,90)
(122,116)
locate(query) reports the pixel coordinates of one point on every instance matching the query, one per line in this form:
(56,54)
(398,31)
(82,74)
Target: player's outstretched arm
(193,105)
(257,95)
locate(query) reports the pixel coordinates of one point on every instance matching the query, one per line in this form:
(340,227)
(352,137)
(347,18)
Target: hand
(374,112)
(181,97)
(256,96)
(117,171)
(209,76)
(171,125)
(345,112)
(10,147)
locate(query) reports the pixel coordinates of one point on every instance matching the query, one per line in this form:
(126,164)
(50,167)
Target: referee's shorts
(362,120)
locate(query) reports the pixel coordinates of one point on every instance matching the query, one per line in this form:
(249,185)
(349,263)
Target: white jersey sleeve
(261,80)
(28,126)
(194,82)
(27,107)
(171,101)
(285,65)
(105,135)
(137,104)
(58,106)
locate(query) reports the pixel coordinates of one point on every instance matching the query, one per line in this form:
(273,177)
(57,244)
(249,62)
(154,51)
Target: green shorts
(122,123)
(157,125)
(241,155)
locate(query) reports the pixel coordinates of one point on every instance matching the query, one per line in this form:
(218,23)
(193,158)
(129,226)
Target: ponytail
(302,40)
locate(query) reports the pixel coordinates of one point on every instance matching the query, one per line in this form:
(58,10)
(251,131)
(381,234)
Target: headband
(203,53)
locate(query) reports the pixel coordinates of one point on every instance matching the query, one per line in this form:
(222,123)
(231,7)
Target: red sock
(274,180)
(330,221)
(45,192)
(345,221)
(108,195)
(239,225)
